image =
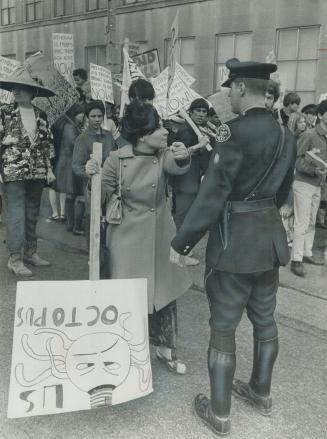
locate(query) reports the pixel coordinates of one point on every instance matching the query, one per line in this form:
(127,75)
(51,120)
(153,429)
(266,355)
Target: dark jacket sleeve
(224,166)
(304,144)
(286,185)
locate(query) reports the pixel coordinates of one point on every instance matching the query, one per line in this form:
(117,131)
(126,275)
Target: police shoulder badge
(223,133)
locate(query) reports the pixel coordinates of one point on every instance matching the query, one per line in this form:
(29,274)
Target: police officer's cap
(247,69)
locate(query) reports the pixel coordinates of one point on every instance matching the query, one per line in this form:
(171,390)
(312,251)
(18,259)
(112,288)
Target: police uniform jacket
(256,238)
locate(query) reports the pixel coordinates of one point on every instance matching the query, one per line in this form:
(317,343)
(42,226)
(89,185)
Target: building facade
(210,32)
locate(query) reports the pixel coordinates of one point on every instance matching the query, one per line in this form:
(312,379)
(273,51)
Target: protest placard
(63,55)
(79,345)
(180,94)
(222,106)
(173,50)
(7,66)
(42,68)
(101,83)
(148,63)
(322,97)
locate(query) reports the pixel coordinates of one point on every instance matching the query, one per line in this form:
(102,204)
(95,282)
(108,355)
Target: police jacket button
(152,210)
(153,185)
(155,162)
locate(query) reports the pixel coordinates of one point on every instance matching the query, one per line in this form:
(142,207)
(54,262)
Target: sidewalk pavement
(299,388)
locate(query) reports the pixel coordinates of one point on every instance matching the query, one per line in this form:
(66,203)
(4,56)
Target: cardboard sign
(133,49)
(180,94)
(41,67)
(322,97)
(79,345)
(7,66)
(222,106)
(101,83)
(148,63)
(63,55)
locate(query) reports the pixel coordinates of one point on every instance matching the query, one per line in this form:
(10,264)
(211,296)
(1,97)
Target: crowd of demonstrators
(310,180)
(139,172)
(26,152)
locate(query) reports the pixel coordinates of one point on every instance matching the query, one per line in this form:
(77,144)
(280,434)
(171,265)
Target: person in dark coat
(244,252)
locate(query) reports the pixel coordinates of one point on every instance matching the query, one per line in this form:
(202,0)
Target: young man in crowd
(310,112)
(185,187)
(272,95)
(310,177)
(291,103)
(80,78)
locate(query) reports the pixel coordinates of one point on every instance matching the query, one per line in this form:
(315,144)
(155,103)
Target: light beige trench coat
(140,245)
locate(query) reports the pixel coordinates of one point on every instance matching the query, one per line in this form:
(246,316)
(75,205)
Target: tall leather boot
(215,413)
(69,208)
(257,391)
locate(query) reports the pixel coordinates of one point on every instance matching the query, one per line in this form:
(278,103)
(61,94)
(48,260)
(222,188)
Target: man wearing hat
(248,179)
(25,154)
(185,187)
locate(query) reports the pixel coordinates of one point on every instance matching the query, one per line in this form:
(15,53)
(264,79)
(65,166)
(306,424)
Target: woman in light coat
(140,245)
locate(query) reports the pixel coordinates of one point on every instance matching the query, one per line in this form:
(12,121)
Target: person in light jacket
(139,247)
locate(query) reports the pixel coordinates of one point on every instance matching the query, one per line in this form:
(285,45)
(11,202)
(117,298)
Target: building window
(8,12)
(34,10)
(232,45)
(63,7)
(185,54)
(129,2)
(95,55)
(297,56)
(93,5)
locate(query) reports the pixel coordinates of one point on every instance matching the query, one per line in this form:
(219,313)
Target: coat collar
(320,131)
(126,151)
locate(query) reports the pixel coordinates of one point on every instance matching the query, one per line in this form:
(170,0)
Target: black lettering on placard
(41,321)
(48,390)
(73,323)
(24,395)
(19,315)
(94,321)
(58,316)
(104,316)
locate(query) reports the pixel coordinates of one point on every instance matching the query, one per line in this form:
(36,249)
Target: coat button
(128,189)
(152,209)
(155,162)
(153,185)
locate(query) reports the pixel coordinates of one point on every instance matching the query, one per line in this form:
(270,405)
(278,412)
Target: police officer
(249,176)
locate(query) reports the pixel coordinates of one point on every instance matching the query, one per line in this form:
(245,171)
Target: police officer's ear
(242,88)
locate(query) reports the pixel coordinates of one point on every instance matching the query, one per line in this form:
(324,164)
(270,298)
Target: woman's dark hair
(291,98)
(322,107)
(141,89)
(273,89)
(92,105)
(75,110)
(139,119)
(82,73)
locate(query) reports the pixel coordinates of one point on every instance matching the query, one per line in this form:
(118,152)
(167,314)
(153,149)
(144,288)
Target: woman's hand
(203,142)
(179,151)
(92,166)
(175,258)
(50,176)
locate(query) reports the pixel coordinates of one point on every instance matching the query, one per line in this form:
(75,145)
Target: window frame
(56,15)
(298,59)
(7,9)
(215,60)
(180,43)
(97,48)
(35,3)
(97,8)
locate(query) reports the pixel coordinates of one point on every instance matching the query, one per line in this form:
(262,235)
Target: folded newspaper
(315,160)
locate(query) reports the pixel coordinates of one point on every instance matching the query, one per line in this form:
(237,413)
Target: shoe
(263,404)
(191,262)
(202,410)
(18,268)
(54,217)
(78,232)
(35,260)
(297,268)
(175,366)
(312,260)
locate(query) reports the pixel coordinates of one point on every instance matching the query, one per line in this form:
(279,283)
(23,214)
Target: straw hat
(21,76)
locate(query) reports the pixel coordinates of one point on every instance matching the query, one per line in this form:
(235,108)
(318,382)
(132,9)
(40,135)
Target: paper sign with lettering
(322,97)
(101,83)
(63,55)
(79,345)
(7,66)
(180,94)
(148,63)
(42,68)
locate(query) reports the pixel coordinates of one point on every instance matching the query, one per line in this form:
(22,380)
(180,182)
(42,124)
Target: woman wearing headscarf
(26,151)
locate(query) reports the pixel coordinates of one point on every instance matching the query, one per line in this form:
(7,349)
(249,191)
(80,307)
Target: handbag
(114,210)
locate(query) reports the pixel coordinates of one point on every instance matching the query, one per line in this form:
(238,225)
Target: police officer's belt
(250,206)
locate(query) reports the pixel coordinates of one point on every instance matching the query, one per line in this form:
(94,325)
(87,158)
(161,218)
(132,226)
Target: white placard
(180,94)
(63,55)
(79,345)
(7,66)
(101,83)
(322,97)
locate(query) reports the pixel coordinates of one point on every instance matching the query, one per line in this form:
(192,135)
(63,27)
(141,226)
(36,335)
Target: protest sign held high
(148,63)
(7,66)
(42,68)
(79,345)
(101,83)
(63,55)
(173,50)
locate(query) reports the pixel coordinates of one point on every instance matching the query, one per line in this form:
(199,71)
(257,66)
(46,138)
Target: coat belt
(250,206)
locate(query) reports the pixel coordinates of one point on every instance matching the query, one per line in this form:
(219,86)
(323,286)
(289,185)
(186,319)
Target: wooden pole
(94,258)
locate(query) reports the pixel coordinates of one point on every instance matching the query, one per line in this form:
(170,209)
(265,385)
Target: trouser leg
(309,237)
(70,201)
(163,327)
(33,200)
(79,213)
(15,223)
